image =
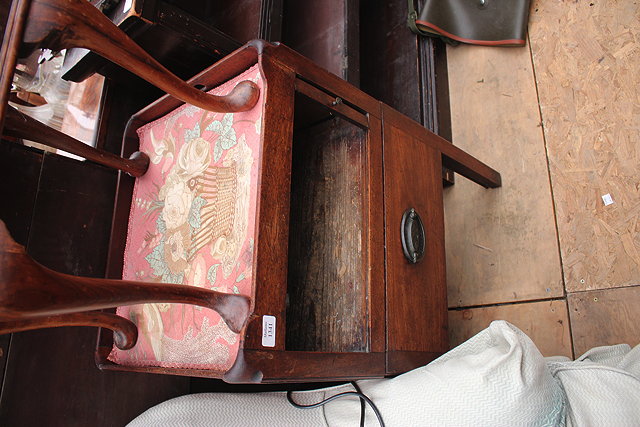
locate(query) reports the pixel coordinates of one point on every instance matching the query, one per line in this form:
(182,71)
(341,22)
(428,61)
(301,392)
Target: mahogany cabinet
(350,251)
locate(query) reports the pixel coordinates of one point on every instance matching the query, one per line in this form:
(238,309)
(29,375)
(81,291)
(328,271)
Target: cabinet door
(416,312)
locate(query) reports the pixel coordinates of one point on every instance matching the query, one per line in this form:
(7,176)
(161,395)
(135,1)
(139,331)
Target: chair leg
(20,125)
(29,290)
(62,24)
(125,332)
(9,50)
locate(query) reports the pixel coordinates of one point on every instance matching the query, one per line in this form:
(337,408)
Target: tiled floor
(559,119)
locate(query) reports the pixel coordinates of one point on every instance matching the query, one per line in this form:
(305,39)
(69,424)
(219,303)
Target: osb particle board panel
(501,243)
(587,61)
(604,317)
(546,323)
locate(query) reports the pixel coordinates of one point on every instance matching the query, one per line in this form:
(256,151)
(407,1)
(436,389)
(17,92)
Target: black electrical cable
(362,396)
(362,403)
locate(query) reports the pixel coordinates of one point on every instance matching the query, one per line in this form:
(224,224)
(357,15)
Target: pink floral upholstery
(192,222)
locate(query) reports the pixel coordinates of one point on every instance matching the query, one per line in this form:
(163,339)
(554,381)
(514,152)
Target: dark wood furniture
(53,369)
(66,24)
(328,33)
(411,70)
(193,34)
(330,265)
(339,171)
(369,45)
(31,295)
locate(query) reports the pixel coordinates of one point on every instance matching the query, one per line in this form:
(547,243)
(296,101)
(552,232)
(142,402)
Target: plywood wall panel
(587,62)
(546,323)
(501,243)
(604,317)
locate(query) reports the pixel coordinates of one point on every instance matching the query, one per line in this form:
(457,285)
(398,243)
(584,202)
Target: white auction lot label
(268,331)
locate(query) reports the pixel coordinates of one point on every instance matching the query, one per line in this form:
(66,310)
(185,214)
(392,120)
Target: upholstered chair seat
(192,222)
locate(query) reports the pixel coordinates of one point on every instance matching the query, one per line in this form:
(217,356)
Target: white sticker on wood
(268,331)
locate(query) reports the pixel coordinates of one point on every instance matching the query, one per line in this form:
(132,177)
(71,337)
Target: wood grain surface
(501,243)
(604,317)
(327,290)
(587,62)
(545,322)
(327,32)
(416,293)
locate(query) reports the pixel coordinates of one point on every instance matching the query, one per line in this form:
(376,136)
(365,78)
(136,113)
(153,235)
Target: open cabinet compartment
(327,286)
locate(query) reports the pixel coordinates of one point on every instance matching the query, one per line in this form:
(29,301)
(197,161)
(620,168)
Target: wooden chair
(32,295)
(320,206)
(58,25)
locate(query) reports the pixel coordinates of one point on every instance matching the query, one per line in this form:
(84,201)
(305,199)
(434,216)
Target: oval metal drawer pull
(412,236)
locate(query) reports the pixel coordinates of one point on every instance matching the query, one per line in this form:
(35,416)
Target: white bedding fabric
(602,386)
(496,378)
